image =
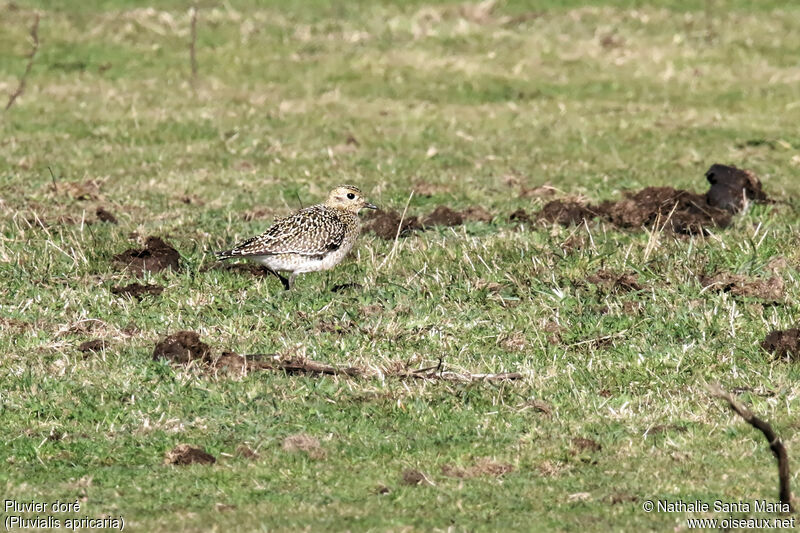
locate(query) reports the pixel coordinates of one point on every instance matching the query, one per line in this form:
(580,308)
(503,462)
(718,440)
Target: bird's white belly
(298,264)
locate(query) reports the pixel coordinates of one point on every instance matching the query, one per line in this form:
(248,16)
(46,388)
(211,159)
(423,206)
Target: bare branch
(23,80)
(301,365)
(193,43)
(775,443)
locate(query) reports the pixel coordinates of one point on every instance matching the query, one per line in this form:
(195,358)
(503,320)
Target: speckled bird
(312,239)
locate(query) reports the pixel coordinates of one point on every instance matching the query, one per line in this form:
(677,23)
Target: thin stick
(397,235)
(301,365)
(775,443)
(193,43)
(21,87)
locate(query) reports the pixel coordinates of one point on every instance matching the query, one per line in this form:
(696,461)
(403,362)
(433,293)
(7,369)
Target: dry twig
(23,80)
(301,365)
(775,443)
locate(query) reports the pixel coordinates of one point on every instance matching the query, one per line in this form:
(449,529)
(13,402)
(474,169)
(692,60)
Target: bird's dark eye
(351,195)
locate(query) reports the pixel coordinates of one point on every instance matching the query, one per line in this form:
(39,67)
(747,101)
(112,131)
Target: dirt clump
(770,290)
(414,477)
(137,290)
(182,347)
(567,212)
(302,442)
(783,344)
(187,454)
(732,187)
(156,256)
(443,216)
(682,211)
(384,224)
(94,345)
(104,215)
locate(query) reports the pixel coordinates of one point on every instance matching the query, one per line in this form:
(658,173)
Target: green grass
(508,103)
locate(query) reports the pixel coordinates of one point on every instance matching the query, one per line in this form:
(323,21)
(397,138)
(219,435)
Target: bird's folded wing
(305,233)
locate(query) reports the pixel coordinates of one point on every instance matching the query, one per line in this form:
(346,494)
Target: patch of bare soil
(156,256)
(414,477)
(94,345)
(182,347)
(783,344)
(483,467)
(137,290)
(443,216)
(770,290)
(186,454)
(613,282)
(301,442)
(384,224)
(732,187)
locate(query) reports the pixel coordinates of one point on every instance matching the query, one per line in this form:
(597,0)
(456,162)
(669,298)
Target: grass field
(469,105)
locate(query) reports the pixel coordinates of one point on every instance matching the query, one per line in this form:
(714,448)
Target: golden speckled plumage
(314,238)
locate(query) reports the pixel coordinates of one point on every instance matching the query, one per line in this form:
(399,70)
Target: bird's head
(348,198)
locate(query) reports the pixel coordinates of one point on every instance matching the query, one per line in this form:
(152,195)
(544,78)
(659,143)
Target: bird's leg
(287,283)
(291,280)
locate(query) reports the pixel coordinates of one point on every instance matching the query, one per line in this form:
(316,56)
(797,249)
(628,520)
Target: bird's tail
(221,256)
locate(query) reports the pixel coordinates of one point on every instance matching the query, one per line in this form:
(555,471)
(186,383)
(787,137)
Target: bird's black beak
(371,206)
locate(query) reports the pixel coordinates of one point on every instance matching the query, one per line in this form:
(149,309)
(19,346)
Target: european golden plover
(312,239)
